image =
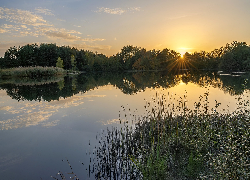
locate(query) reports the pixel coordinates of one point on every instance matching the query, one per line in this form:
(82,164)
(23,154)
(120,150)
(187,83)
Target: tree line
(232,57)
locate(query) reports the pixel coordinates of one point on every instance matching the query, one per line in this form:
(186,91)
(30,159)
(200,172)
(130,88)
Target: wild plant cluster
(173,142)
(36,71)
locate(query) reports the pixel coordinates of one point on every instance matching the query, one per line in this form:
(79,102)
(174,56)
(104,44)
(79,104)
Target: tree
(73,62)
(235,57)
(81,60)
(59,63)
(10,58)
(128,56)
(65,53)
(48,55)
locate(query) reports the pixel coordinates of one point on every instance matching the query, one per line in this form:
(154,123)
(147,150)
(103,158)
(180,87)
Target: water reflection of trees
(128,83)
(47,91)
(234,85)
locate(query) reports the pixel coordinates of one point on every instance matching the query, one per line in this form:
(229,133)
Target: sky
(106,26)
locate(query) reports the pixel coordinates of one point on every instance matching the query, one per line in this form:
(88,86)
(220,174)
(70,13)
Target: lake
(45,122)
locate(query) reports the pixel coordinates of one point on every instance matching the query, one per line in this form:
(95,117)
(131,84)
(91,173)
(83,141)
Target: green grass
(33,72)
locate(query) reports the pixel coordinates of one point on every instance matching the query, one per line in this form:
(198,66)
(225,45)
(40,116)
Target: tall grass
(36,71)
(177,143)
(172,141)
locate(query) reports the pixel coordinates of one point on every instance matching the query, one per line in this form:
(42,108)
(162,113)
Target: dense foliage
(232,57)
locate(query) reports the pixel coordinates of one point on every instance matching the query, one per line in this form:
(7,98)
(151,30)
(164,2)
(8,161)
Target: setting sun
(183,50)
(182,53)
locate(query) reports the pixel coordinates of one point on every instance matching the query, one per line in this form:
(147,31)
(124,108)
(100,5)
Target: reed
(177,143)
(171,141)
(37,71)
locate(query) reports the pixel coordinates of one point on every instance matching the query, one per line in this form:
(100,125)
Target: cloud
(21,23)
(92,47)
(3,30)
(111,11)
(39,113)
(24,26)
(113,121)
(117,11)
(62,35)
(17,30)
(50,124)
(24,22)
(44,11)
(134,9)
(5,108)
(19,16)
(93,39)
(70,35)
(28,23)
(7,26)
(77,26)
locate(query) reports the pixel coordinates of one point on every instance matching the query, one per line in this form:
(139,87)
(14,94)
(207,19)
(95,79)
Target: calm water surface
(44,123)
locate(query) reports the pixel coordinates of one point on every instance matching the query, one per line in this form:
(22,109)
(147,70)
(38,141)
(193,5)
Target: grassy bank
(32,72)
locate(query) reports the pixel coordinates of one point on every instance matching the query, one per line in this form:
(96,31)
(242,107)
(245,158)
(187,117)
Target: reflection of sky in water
(36,136)
(34,113)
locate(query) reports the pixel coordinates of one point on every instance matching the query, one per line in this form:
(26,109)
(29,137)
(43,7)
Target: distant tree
(90,56)
(147,60)
(235,57)
(48,55)
(28,55)
(11,58)
(59,63)
(138,64)
(128,56)
(1,62)
(114,63)
(164,58)
(246,63)
(81,60)
(65,53)
(73,62)
(232,57)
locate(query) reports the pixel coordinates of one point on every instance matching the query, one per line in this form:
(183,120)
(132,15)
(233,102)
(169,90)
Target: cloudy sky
(106,26)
